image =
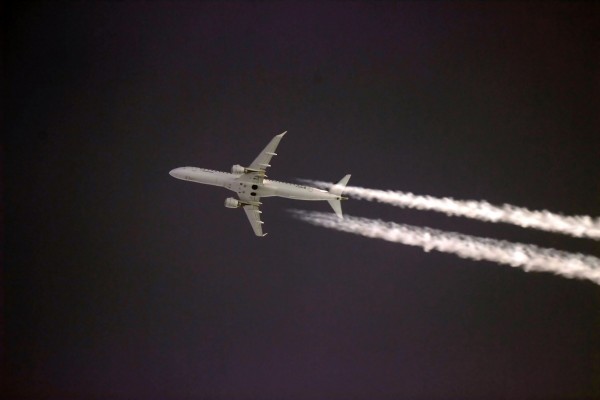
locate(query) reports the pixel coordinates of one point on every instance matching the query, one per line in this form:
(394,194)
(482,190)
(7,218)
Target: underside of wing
(253,214)
(261,163)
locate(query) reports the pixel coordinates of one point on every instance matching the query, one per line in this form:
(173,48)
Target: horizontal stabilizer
(339,187)
(337,207)
(337,190)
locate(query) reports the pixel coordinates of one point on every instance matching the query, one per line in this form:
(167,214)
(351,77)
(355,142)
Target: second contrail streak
(577,226)
(525,256)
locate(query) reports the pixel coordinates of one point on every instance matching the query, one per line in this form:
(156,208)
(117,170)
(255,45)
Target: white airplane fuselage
(268,187)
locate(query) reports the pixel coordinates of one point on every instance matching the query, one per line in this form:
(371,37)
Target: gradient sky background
(121,282)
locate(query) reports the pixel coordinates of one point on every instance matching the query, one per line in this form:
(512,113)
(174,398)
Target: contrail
(577,226)
(525,256)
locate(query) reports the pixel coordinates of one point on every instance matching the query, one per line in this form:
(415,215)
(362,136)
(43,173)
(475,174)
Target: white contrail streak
(577,226)
(525,256)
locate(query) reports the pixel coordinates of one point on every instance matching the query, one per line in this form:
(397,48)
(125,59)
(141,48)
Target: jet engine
(238,169)
(230,202)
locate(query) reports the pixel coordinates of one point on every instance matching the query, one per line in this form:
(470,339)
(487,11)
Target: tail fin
(338,189)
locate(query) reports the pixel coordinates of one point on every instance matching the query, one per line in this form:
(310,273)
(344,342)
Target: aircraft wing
(253,214)
(261,163)
(256,174)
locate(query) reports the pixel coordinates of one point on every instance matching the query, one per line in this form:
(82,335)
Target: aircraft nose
(175,173)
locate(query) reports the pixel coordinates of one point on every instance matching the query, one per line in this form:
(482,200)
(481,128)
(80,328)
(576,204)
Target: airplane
(251,185)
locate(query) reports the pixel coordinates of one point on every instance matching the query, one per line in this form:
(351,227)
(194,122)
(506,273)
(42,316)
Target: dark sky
(121,282)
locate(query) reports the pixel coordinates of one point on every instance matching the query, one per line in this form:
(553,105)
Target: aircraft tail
(338,189)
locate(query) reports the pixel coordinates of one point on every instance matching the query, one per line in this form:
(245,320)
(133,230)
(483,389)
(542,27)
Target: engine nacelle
(238,170)
(230,202)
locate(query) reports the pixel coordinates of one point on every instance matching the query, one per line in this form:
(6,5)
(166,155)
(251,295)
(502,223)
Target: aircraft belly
(300,193)
(207,178)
